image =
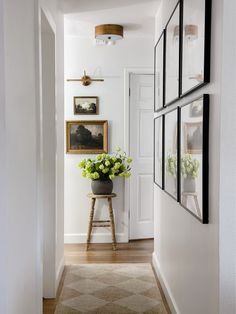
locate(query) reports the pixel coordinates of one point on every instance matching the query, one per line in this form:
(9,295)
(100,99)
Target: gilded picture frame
(87,137)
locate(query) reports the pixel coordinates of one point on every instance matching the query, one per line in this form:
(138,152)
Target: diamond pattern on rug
(153,293)
(136,271)
(150,279)
(110,288)
(112,279)
(68,293)
(158,309)
(137,303)
(87,285)
(62,309)
(135,285)
(70,277)
(84,303)
(112,294)
(112,308)
(90,272)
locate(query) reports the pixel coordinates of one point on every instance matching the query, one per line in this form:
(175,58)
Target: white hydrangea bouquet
(189,166)
(107,166)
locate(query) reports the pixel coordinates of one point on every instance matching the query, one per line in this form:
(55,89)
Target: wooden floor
(132,252)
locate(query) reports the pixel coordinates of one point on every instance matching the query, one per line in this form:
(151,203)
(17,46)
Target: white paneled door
(141,149)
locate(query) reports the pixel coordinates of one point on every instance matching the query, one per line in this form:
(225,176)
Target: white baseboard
(96,238)
(165,287)
(59,272)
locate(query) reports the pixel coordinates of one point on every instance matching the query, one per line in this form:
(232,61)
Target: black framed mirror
(172,57)
(158,151)
(171,167)
(193,156)
(159,73)
(196,44)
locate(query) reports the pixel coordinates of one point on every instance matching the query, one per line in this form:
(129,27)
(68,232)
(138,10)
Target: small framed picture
(86,105)
(196,43)
(194,159)
(196,109)
(158,151)
(87,137)
(193,137)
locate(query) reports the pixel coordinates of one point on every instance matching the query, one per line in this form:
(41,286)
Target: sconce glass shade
(176,31)
(191,32)
(109,32)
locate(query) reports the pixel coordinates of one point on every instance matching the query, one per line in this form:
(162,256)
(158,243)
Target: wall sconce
(176,35)
(176,32)
(191,32)
(85,80)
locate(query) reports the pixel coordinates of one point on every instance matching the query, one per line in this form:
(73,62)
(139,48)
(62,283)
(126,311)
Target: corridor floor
(134,252)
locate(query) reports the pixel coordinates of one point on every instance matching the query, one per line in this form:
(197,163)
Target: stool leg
(197,206)
(112,224)
(90,222)
(184,200)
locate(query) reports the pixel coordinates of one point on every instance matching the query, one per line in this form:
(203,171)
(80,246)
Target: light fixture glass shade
(191,32)
(109,32)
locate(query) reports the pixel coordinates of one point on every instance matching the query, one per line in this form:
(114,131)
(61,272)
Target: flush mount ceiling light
(108,33)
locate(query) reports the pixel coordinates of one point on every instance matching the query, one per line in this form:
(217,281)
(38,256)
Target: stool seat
(101,223)
(189,193)
(91,195)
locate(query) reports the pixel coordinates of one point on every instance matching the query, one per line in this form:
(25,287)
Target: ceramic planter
(189,185)
(102,187)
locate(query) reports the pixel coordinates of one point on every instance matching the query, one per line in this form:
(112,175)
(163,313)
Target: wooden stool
(101,223)
(185,195)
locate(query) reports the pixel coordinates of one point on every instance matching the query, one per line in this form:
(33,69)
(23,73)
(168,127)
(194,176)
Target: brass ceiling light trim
(109,33)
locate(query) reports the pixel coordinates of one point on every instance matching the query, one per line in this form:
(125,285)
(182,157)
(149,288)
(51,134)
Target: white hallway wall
(20,243)
(51,7)
(110,62)
(3,219)
(187,252)
(227,215)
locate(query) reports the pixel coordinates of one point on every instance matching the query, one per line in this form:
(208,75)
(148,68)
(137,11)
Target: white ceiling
(137,16)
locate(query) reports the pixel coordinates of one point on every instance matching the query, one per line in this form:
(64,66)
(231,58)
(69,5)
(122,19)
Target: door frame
(127,75)
(50,281)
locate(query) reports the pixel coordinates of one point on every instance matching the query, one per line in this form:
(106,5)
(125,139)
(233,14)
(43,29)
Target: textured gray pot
(189,185)
(102,187)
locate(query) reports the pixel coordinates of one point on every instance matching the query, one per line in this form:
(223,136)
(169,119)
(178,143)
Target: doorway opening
(139,144)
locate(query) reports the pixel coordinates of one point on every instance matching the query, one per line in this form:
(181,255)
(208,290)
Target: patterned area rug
(110,288)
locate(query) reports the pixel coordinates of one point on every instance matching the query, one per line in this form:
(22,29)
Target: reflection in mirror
(193,44)
(172,57)
(158,73)
(158,126)
(192,157)
(171,163)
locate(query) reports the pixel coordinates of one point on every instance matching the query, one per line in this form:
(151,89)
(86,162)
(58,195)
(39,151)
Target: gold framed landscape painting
(87,137)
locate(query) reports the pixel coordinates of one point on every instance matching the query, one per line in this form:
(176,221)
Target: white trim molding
(127,73)
(95,238)
(59,272)
(165,287)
